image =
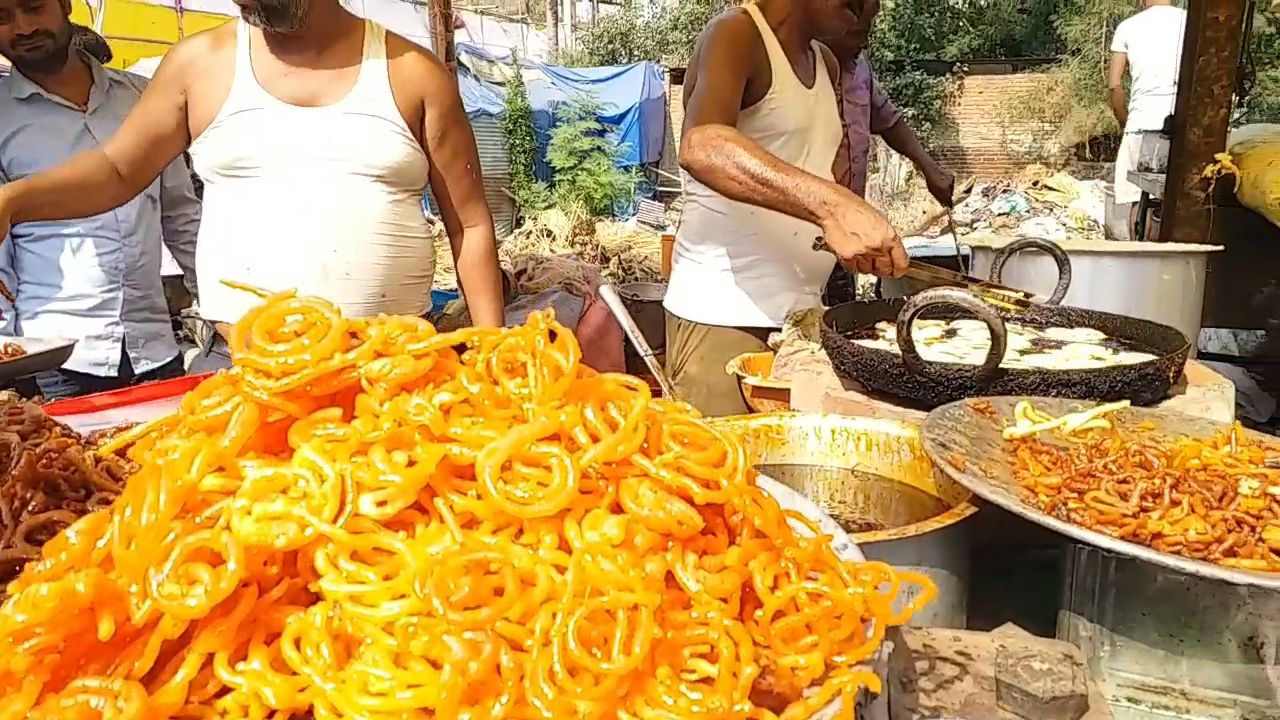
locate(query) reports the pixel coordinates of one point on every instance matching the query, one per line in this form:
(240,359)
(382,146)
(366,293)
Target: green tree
(584,159)
(522,145)
(1263,103)
(661,32)
(1079,96)
(962,30)
(908,31)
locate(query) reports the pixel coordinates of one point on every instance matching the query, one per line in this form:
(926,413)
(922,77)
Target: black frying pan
(925,384)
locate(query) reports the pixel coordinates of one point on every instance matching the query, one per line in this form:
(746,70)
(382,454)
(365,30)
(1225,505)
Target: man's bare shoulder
(731,34)
(408,59)
(734,28)
(201,50)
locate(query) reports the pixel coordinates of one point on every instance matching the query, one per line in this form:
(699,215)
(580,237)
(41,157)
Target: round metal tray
(42,354)
(957,430)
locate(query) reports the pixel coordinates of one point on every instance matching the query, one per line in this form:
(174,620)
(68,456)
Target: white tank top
(324,200)
(739,265)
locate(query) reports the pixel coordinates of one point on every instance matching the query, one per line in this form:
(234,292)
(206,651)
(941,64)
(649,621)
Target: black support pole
(1211,52)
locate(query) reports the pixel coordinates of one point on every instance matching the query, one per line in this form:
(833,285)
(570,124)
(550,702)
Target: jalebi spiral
(366,519)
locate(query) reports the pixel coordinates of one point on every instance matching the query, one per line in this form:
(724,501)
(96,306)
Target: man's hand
(863,239)
(942,185)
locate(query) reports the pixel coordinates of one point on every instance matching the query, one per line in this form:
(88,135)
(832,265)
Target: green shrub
(584,160)
(522,147)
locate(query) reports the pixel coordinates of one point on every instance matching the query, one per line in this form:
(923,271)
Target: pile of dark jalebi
(368,520)
(1211,498)
(49,478)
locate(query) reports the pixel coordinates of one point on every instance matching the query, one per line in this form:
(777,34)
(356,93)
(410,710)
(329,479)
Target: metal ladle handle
(613,301)
(1060,258)
(935,297)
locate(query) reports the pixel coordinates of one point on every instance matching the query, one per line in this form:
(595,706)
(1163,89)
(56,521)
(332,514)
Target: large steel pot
(1161,282)
(935,543)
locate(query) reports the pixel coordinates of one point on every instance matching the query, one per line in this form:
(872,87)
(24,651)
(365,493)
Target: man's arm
(458,189)
(180,218)
(714,152)
(888,122)
(1116,94)
(105,178)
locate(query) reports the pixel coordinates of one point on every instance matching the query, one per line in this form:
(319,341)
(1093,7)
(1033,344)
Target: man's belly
(367,262)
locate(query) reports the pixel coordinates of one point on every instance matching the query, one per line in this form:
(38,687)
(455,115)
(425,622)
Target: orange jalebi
(1207,498)
(365,519)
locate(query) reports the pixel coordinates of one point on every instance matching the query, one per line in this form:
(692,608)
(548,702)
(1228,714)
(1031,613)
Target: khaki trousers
(696,356)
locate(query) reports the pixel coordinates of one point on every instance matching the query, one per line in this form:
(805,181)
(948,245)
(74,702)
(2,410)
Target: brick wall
(675,120)
(989,133)
(984,133)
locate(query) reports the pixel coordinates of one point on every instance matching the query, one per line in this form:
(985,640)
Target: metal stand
(1152,186)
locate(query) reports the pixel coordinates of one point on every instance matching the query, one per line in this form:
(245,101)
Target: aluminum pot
(1161,282)
(923,511)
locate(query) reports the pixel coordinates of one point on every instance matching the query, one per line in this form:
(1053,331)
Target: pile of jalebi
(362,521)
(1210,499)
(49,478)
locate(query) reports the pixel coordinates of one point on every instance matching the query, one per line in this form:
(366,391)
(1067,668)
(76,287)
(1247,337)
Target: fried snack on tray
(1210,499)
(365,519)
(49,478)
(11,351)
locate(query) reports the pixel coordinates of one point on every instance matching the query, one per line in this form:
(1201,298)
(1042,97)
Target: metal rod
(613,301)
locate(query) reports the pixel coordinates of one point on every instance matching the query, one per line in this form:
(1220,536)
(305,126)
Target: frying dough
(967,341)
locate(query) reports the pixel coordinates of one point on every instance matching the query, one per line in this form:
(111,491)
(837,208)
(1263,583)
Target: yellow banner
(136,30)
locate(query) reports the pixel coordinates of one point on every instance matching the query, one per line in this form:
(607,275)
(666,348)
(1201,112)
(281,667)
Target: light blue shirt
(94,280)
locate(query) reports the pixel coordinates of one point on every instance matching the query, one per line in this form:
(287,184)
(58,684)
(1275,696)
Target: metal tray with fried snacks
(32,355)
(966,440)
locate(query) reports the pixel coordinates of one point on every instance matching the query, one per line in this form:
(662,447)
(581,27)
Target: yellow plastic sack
(1255,152)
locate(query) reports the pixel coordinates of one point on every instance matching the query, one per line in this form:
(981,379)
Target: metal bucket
(887,481)
(644,302)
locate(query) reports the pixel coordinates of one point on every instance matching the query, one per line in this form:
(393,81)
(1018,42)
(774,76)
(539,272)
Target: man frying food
(315,133)
(761,133)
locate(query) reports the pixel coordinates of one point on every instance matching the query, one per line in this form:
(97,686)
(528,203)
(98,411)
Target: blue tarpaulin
(632,99)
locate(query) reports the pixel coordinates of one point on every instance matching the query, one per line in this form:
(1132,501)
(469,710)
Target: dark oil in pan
(859,501)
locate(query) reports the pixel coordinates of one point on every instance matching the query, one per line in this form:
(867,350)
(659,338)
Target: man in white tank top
(315,133)
(761,132)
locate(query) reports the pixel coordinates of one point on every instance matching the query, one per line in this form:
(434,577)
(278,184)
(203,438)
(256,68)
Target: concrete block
(1003,675)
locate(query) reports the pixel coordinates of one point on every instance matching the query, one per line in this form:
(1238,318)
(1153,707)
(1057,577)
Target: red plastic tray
(135,404)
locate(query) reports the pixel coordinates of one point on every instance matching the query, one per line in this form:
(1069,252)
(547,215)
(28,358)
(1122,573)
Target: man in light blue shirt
(94,280)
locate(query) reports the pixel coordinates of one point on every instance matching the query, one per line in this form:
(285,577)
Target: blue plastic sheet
(632,99)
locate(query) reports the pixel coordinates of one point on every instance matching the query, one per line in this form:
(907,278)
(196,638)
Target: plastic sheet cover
(632,99)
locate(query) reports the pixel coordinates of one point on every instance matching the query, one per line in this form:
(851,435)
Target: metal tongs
(994,293)
(934,276)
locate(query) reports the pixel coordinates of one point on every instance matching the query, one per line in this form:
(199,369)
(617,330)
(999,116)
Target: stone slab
(964,675)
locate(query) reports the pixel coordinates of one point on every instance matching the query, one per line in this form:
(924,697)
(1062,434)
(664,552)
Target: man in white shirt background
(95,280)
(1148,46)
